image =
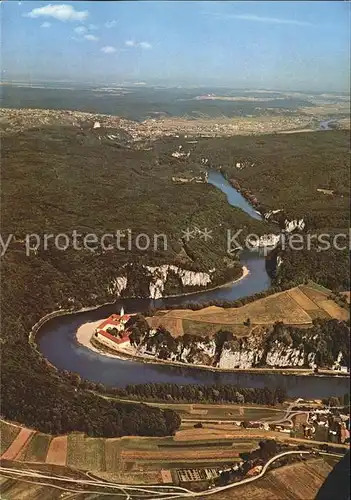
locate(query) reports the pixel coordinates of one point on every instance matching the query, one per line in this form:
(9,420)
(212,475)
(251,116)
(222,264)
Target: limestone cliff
(275,346)
(188,278)
(156,277)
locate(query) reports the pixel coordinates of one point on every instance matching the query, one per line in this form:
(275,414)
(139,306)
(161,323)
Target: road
(94,485)
(287,417)
(128,492)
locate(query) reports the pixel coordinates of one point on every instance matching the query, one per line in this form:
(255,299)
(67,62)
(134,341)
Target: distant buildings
(254,471)
(344,434)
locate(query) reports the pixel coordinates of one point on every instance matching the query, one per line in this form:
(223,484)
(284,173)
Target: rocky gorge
(325,345)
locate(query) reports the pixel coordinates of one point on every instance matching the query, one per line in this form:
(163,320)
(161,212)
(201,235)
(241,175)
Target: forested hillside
(301,176)
(59,179)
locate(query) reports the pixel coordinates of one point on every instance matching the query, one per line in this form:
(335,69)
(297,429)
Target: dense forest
(305,176)
(64,179)
(194,393)
(60,179)
(52,404)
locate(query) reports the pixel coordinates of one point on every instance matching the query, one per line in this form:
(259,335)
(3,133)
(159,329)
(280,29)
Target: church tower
(122,311)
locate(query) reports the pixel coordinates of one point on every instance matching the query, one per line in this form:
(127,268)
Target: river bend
(57,342)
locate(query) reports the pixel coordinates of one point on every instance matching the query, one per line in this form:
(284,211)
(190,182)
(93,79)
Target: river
(57,341)
(325,124)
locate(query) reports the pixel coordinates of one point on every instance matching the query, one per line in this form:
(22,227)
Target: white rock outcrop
(117,285)
(267,240)
(188,278)
(180,153)
(208,348)
(245,353)
(268,215)
(243,164)
(294,224)
(242,358)
(281,355)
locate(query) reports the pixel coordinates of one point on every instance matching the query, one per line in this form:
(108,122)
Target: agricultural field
(174,324)
(299,481)
(8,433)
(135,460)
(86,453)
(112,456)
(224,412)
(57,452)
(128,459)
(211,432)
(297,306)
(11,489)
(334,310)
(37,449)
(18,445)
(205,329)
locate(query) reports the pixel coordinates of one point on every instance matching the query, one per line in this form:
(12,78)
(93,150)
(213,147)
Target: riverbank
(126,351)
(59,345)
(64,312)
(245,273)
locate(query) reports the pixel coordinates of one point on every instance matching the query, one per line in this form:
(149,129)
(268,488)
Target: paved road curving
(158,492)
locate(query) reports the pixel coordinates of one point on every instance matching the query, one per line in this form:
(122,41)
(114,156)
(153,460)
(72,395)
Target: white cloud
(45,25)
(145,45)
(63,12)
(108,49)
(142,45)
(92,38)
(272,20)
(261,19)
(80,30)
(110,24)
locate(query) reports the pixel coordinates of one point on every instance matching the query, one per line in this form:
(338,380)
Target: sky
(274,45)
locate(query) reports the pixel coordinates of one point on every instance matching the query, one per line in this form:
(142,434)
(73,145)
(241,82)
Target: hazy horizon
(16,80)
(291,46)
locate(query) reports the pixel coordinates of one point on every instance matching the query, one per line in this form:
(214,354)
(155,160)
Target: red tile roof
(114,319)
(117,340)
